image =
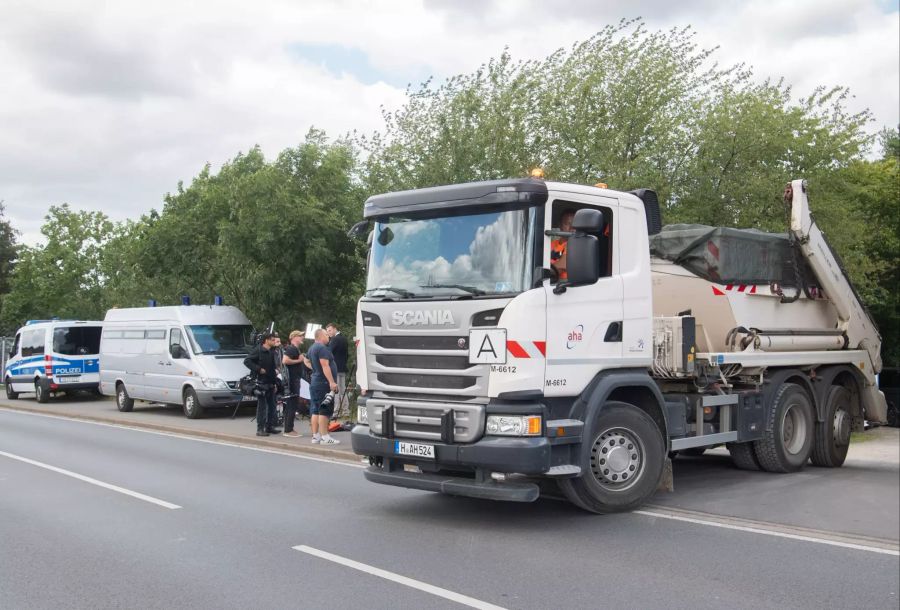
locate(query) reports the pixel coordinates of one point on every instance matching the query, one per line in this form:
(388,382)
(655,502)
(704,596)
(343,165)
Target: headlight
(214,383)
(513,425)
(362,415)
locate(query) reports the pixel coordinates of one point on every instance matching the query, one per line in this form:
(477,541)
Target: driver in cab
(558,245)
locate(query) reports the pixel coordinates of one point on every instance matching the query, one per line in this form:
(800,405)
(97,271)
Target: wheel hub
(841,429)
(616,458)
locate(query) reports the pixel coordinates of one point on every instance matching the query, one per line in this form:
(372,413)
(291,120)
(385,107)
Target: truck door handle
(613,332)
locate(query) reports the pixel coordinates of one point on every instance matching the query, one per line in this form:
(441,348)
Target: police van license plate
(414,449)
(68,378)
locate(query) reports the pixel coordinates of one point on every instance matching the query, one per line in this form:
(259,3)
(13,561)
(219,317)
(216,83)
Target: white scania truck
(482,370)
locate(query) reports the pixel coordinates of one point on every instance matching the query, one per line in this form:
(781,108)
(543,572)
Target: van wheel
(624,463)
(833,435)
(10,393)
(788,439)
(42,390)
(124,402)
(191,404)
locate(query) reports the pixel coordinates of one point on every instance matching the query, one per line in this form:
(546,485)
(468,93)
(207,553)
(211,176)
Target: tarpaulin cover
(729,256)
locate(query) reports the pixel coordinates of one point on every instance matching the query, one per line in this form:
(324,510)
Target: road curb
(219,436)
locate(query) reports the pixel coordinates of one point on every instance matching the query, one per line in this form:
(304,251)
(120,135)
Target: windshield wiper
(469,289)
(401,291)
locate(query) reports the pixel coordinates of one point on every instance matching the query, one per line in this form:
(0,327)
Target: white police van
(51,356)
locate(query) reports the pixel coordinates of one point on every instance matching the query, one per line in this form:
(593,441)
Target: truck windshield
(220,339)
(473,253)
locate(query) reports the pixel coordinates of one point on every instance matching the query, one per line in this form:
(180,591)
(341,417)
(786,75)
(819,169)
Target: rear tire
(123,402)
(191,404)
(10,393)
(743,456)
(42,390)
(788,438)
(833,435)
(624,464)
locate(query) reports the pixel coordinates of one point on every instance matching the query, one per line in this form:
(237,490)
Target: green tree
(62,277)
(270,237)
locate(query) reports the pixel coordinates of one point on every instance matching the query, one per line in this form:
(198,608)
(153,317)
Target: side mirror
(358,230)
(177,352)
(582,262)
(588,221)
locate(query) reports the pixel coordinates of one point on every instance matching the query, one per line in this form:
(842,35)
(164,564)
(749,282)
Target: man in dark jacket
(338,345)
(263,366)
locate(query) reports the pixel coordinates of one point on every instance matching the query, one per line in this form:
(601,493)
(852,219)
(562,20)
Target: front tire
(123,402)
(42,390)
(833,435)
(623,465)
(11,394)
(191,404)
(788,438)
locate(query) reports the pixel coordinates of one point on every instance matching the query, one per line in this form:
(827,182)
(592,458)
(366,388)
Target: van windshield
(76,340)
(220,339)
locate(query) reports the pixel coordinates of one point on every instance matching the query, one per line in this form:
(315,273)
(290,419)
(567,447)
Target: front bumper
(523,455)
(221,398)
(529,456)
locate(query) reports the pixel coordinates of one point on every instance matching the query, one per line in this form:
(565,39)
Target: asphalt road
(230,543)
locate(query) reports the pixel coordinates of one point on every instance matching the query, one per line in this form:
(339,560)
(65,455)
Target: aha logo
(575,336)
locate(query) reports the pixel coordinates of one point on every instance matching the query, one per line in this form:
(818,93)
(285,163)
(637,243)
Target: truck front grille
(426,364)
(431,422)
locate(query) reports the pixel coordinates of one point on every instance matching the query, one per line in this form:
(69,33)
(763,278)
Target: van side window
(33,343)
(175,338)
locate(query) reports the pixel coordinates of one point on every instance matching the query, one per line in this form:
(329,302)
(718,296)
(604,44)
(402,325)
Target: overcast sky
(107,105)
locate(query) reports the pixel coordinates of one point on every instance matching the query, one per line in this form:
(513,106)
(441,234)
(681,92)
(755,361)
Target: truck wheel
(42,390)
(743,456)
(123,401)
(191,404)
(833,435)
(788,438)
(10,393)
(625,462)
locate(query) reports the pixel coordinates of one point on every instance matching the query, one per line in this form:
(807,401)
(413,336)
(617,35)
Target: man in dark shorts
(324,380)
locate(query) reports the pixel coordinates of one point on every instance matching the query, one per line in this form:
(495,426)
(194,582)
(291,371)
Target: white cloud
(109,105)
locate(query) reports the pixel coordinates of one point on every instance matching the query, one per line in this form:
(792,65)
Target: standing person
(338,346)
(261,362)
(293,361)
(323,381)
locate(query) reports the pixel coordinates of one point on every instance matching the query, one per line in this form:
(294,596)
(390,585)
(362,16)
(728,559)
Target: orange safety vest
(557,250)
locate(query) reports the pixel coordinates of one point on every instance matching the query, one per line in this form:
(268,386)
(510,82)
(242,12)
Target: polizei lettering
(431,317)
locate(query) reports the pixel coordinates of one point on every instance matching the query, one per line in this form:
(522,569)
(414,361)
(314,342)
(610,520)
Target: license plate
(68,379)
(414,449)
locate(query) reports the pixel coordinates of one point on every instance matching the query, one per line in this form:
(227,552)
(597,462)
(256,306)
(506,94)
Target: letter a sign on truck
(487,346)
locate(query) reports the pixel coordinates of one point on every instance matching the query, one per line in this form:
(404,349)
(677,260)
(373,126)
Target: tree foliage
(629,107)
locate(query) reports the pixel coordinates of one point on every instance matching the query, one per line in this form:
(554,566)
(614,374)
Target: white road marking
(403,580)
(81,477)
(768,532)
(188,437)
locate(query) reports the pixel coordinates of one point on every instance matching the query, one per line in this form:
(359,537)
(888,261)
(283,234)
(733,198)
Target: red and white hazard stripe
(526,349)
(745,288)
